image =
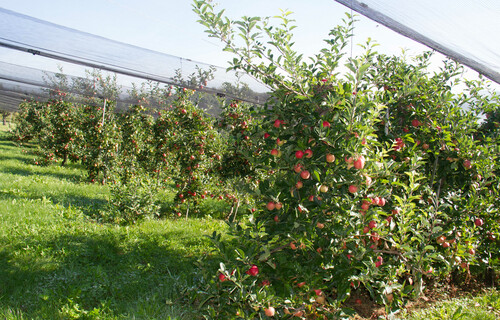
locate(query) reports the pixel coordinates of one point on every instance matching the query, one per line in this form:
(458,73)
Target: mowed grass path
(57,263)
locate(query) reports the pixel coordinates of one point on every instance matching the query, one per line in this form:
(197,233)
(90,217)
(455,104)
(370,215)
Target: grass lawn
(56,262)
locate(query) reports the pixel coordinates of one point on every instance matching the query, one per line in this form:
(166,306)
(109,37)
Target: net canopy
(22,34)
(465,30)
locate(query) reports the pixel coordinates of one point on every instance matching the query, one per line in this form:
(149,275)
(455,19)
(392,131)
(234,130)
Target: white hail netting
(467,31)
(23,34)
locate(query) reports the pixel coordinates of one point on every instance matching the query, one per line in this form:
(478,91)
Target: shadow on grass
(74,177)
(93,270)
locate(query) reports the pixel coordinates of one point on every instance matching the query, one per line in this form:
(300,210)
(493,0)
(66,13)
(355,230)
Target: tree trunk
(64,160)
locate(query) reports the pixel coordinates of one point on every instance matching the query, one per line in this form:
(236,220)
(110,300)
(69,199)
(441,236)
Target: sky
(170,26)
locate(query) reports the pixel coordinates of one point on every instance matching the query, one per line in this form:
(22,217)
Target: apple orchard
(359,174)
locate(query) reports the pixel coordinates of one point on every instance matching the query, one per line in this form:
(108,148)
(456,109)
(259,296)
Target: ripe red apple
(299,154)
(425,146)
(379,262)
(278,206)
(441,239)
(415,123)
(330,158)
(326,124)
(381,202)
(266,135)
(320,225)
(359,163)
(269,312)
(372,224)
(311,198)
(222,277)
(276,219)
(275,153)
(299,185)
(308,153)
(277,123)
(353,188)
(270,206)
(305,175)
(478,222)
(253,271)
(298,168)
(467,164)
(366,230)
(279,142)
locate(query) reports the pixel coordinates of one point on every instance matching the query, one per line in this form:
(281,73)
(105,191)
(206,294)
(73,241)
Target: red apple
(222,277)
(298,168)
(330,158)
(274,152)
(372,224)
(269,311)
(308,153)
(266,135)
(478,222)
(253,271)
(379,262)
(353,188)
(305,175)
(467,164)
(381,202)
(320,225)
(359,163)
(326,124)
(270,206)
(415,123)
(299,185)
(299,154)
(276,219)
(278,206)
(277,123)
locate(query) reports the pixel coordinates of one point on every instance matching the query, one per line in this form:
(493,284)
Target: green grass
(57,263)
(482,307)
